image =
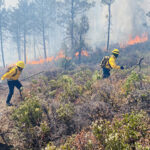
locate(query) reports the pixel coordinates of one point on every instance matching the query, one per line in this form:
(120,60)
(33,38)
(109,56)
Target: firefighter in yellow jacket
(12,80)
(111,64)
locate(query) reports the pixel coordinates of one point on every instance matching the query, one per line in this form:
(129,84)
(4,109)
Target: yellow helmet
(115,51)
(20,64)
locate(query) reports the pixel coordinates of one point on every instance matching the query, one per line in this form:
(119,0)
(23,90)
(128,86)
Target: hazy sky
(11,3)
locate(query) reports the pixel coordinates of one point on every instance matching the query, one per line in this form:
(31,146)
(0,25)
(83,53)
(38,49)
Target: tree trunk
(109,21)
(43,32)
(18,46)
(25,56)
(80,49)
(34,43)
(2,51)
(72,24)
(44,43)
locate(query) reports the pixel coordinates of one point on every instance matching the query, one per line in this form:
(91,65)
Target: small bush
(88,85)
(30,128)
(65,111)
(122,134)
(52,93)
(71,93)
(65,80)
(53,84)
(28,114)
(96,76)
(34,81)
(50,146)
(134,77)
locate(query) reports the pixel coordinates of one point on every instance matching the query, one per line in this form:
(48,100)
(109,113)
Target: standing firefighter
(12,76)
(109,62)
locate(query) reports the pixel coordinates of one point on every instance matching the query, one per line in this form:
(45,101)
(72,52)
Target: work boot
(9,104)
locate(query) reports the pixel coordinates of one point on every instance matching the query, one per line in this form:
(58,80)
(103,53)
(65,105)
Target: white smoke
(128,17)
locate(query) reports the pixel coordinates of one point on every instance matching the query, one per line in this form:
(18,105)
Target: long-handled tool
(136,65)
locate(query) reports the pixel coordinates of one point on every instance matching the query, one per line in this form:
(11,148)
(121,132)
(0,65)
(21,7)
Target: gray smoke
(128,19)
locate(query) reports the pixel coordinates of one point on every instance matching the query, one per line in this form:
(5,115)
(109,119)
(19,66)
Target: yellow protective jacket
(13,74)
(111,64)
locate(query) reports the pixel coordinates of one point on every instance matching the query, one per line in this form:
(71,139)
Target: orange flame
(135,40)
(83,53)
(60,55)
(138,39)
(41,61)
(77,54)
(50,59)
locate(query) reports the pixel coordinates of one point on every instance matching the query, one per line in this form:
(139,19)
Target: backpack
(104,61)
(9,68)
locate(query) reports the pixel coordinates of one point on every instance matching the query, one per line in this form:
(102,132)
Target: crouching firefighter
(109,62)
(12,76)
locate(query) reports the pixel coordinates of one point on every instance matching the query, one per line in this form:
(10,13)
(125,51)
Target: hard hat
(20,64)
(115,51)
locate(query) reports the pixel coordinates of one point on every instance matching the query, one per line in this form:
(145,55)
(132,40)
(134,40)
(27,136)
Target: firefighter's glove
(121,67)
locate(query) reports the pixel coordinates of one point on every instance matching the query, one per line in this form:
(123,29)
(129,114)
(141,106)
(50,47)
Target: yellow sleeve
(8,74)
(112,62)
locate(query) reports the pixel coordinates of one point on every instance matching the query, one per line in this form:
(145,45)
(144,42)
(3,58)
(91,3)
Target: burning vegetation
(136,40)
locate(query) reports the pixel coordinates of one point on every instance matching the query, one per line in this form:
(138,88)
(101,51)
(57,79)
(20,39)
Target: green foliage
(45,128)
(65,80)
(50,146)
(28,114)
(65,111)
(71,93)
(96,76)
(39,89)
(53,84)
(34,81)
(68,145)
(52,93)
(71,90)
(30,128)
(83,75)
(88,85)
(122,134)
(134,77)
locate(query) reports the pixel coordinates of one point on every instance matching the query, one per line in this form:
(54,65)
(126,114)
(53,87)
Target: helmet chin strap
(20,69)
(116,55)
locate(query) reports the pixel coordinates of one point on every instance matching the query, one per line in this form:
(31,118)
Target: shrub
(28,114)
(96,76)
(34,81)
(134,77)
(50,146)
(83,75)
(53,84)
(65,112)
(71,91)
(122,134)
(88,85)
(52,93)
(30,128)
(65,81)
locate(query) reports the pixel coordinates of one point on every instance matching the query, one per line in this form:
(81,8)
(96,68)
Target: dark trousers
(106,73)
(11,85)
